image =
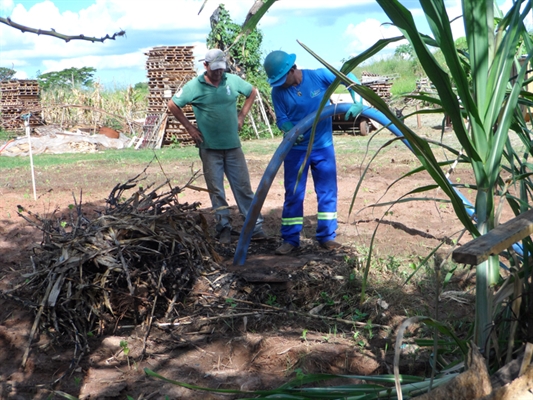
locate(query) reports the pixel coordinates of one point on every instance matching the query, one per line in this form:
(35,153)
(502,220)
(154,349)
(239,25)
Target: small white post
(26,118)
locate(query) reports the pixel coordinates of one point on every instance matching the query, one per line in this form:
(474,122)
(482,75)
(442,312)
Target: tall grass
(95,106)
(409,71)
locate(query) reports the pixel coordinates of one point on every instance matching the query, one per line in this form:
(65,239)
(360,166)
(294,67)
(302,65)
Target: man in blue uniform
(295,94)
(213,96)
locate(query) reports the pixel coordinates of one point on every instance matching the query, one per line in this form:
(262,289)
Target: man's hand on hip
(195,134)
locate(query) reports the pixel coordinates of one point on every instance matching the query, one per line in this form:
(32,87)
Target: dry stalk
(130,262)
(35,325)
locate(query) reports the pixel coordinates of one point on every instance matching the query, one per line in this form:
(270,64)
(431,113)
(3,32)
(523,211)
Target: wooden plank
(161,132)
(150,137)
(497,240)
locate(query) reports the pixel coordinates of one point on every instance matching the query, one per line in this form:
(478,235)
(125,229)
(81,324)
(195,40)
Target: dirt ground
(256,347)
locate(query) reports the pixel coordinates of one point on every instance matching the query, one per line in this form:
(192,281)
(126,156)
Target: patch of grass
(105,158)
(6,136)
(390,294)
(260,147)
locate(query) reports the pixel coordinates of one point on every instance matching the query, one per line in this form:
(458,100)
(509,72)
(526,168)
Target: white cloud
(6,6)
(147,25)
(21,75)
(363,35)
(176,22)
(319,4)
(98,62)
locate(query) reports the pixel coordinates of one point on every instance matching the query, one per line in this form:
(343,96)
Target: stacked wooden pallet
(18,98)
(168,69)
(379,84)
(425,85)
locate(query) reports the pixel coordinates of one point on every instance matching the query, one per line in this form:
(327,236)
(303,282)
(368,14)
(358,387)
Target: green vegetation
(116,108)
(6,73)
(479,87)
(70,77)
(6,135)
(141,86)
(406,65)
(351,147)
(408,70)
(245,54)
(70,98)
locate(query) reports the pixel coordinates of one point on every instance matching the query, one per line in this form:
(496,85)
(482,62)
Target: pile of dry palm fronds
(136,260)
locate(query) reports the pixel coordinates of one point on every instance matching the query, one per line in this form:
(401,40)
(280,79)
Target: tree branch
(53,33)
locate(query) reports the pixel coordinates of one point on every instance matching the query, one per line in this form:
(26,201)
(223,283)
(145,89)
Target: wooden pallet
(19,97)
(168,69)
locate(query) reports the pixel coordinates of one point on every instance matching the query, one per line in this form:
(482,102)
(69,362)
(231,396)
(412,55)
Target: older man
(213,96)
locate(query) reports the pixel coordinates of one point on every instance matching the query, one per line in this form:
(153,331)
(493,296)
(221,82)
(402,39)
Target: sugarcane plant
(484,102)
(478,88)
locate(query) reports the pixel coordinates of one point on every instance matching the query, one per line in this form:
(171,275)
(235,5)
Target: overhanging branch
(53,33)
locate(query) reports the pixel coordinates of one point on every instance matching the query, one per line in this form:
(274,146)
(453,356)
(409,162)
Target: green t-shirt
(215,109)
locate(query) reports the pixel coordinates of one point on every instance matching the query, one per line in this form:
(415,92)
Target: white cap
(216,59)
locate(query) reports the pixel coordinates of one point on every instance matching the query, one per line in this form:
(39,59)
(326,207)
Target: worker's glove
(286,127)
(298,140)
(354,111)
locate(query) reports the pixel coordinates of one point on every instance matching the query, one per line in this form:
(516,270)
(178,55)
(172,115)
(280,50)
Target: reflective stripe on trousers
(324,173)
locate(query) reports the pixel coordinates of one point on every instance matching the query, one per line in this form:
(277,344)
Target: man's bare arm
(247,106)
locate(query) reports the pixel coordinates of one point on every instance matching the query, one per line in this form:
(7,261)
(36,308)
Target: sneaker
(225,236)
(285,248)
(331,245)
(259,236)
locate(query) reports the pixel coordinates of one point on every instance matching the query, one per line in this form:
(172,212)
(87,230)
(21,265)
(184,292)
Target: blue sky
(335,30)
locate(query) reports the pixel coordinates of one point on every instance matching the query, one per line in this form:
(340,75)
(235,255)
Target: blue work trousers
(324,173)
(232,163)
